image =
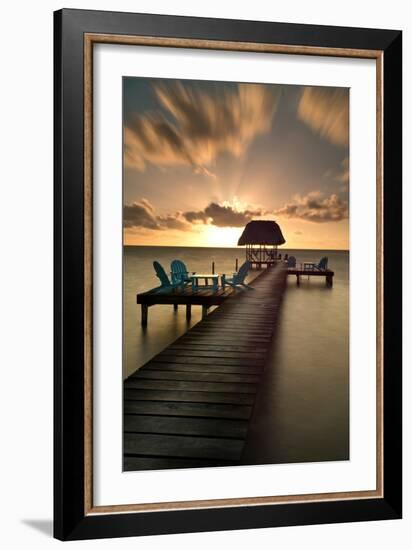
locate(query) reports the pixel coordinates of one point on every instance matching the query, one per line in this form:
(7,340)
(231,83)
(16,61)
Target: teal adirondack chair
(179,272)
(165,283)
(322,265)
(291,261)
(238,279)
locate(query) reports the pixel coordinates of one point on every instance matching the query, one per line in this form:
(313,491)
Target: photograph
(236,255)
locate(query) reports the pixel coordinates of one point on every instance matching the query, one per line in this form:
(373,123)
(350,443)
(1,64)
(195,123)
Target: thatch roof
(261,232)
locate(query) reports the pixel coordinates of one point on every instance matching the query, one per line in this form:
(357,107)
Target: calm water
(302,411)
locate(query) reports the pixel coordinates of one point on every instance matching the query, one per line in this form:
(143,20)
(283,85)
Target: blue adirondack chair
(165,283)
(179,272)
(291,261)
(238,279)
(322,265)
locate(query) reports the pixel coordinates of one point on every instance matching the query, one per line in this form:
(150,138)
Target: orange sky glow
(202,159)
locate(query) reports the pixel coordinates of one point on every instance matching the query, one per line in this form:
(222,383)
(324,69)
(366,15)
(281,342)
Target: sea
(303,407)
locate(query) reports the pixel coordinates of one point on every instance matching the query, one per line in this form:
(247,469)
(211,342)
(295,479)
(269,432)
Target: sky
(202,159)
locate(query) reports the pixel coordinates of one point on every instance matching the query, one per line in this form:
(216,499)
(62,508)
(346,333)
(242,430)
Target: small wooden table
(205,276)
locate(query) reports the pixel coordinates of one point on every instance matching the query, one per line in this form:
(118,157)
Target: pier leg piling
(188,312)
(204,311)
(175,307)
(145,309)
(297,280)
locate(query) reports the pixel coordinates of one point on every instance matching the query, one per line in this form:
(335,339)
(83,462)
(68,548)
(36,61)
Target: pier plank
(189,385)
(167,357)
(192,367)
(235,328)
(224,338)
(182,446)
(190,352)
(191,349)
(196,376)
(133,463)
(232,429)
(188,396)
(199,410)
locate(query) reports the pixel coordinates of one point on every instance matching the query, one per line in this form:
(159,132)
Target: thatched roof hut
(261,232)
(261,238)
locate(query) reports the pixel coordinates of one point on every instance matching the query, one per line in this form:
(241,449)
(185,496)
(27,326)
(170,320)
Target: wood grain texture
(201,410)
(196,376)
(232,429)
(229,46)
(178,446)
(213,368)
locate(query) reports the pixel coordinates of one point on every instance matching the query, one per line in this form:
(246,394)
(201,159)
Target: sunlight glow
(221,236)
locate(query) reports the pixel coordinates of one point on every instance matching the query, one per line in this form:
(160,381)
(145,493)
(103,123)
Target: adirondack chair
(238,279)
(165,283)
(291,261)
(322,265)
(179,272)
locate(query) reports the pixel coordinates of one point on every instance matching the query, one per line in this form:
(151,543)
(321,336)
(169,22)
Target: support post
(213,268)
(145,309)
(175,307)
(329,280)
(188,312)
(204,311)
(297,279)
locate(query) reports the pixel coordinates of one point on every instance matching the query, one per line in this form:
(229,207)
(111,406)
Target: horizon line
(230,247)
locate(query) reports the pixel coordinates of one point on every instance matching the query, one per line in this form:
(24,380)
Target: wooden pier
(190,405)
(327,273)
(187,297)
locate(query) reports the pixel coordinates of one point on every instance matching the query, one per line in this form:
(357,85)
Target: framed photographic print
(227,274)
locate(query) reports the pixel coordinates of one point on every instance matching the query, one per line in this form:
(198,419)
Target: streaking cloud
(326,111)
(193,127)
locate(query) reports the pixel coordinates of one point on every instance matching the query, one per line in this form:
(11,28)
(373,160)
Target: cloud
(341,175)
(142,214)
(193,127)
(202,170)
(326,111)
(221,215)
(315,207)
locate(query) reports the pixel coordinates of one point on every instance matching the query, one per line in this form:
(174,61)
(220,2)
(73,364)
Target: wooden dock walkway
(190,405)
(206,298)
(299,272)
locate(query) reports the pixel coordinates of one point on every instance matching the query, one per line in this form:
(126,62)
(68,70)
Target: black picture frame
(71,522)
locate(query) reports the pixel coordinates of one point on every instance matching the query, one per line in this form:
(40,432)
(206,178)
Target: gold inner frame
(89,40)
